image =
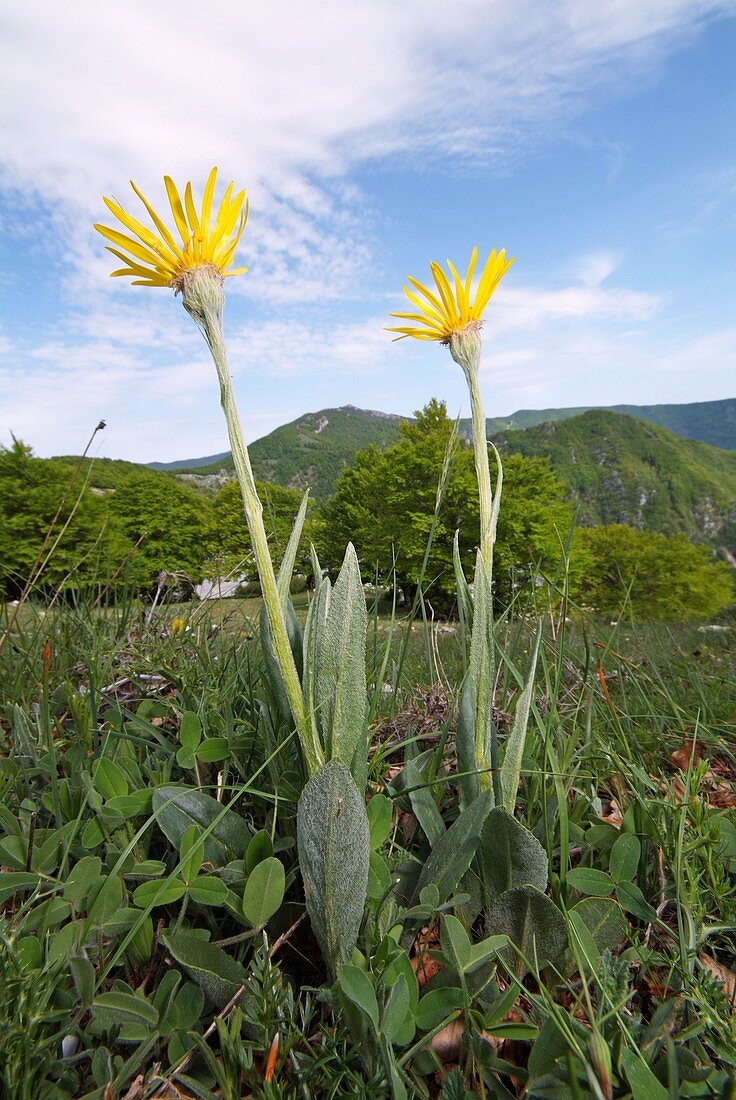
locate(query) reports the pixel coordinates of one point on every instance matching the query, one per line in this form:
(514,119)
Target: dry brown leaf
(447,1042)
(681,757)
(722,974)
(613,815)
(425,967)
(136,1090)
(408,825)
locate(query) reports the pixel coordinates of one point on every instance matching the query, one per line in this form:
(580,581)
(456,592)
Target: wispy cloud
(295,100)
(289,102)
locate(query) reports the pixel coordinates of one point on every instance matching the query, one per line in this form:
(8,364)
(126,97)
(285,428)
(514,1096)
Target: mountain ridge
(712,422)
(621,470)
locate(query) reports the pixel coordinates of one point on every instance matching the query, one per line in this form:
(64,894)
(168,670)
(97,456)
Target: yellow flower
(449,309)
(177,626)
(156,259)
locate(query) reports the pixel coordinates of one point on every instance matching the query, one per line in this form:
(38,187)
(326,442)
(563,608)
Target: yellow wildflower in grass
(157,259)
(452,315)
(449,309)
(178,626)
(196,269)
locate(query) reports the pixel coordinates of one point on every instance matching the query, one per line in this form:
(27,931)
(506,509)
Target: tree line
(129,530)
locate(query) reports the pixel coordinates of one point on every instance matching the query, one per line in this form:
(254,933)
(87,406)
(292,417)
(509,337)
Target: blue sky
(595,141)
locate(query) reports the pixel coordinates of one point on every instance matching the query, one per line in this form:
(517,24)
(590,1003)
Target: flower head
(156,258)
(449,309)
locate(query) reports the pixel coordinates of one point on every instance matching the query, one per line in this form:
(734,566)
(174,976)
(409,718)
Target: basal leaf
(533,924)
(178,807)
(453,853)
(342,701)
(514,748)
(219,975)
(510,855)
(334,846)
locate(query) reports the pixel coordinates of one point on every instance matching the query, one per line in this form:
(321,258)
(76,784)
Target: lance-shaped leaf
(287,565)
(312,643)
(342,702)
(219,975)
(334,846)
(464,600)
(475,738)
(177,808)
(453,852)
(273,670)
(514,750)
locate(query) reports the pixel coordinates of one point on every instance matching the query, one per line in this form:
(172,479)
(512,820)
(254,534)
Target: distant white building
(222,588)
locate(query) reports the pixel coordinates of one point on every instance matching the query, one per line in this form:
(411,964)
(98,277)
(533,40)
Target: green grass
(93,711)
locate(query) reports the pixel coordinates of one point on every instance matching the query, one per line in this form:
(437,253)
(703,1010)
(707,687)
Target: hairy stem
(203,299)
(465,350)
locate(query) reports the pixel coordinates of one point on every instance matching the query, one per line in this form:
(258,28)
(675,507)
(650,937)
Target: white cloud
(595,267)
(293,99)
(528,308)
(288,97)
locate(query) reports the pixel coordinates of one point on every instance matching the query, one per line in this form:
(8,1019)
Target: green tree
(385,504)
(228,540)
(164,523)
(90,544)
(668,578)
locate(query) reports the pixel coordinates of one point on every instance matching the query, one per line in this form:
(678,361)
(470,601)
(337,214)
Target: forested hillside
(620,470)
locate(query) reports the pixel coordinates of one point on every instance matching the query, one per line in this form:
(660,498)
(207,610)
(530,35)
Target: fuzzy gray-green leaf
(510,855)
(514,749)
(219,975)
(312,643)
(342,702)
(533,924)
(177,808)
(334,846)
(476,736)
(287,564)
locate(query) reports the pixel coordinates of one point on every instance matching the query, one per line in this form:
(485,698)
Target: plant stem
(203,299)
(465,350)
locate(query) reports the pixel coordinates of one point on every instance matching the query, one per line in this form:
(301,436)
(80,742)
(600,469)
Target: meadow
(137,964)
(308,847)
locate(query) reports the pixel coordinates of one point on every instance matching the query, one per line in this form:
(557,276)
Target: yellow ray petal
(129,245)
(430,297)
(209,190)
(445,292)
(144,234)
(470,271)
(460,295)
(177,210)
(427,310)
(223,211)
(160,226)
(190,208)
